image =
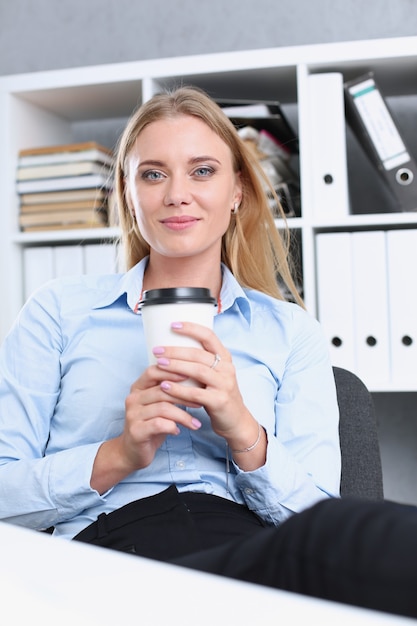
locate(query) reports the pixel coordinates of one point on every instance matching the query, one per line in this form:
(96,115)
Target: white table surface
(45,581)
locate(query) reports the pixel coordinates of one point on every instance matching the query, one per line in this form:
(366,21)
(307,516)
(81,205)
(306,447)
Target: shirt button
(249,491)
(180,464)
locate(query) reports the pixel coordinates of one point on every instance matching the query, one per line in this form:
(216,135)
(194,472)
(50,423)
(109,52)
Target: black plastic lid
(177,294)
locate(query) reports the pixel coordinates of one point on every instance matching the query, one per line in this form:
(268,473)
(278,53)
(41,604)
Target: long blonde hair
(252,248)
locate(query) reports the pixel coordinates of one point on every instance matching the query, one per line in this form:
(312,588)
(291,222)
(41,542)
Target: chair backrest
(361,458)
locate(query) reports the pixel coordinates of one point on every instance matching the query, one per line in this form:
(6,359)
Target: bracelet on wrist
(248,449)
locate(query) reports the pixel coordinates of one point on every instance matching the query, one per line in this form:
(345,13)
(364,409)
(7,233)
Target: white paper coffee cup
(161,307)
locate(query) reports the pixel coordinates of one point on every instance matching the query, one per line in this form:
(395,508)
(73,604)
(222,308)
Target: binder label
(379,124)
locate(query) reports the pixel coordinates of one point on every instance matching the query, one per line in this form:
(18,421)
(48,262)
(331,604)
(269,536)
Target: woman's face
(181,187)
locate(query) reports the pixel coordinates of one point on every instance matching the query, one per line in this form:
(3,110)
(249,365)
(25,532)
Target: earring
(235,208)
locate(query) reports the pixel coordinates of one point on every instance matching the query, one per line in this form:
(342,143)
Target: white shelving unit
(94,102)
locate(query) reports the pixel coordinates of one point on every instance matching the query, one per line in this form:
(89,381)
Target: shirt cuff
(70,476)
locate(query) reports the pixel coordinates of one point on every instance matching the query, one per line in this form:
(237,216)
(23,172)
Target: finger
(192,396)
(166,356)
(152,377)
(216,361)
(206,370)
(204,335)
(156,404)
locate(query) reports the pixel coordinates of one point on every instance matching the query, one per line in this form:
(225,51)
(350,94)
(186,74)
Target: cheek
(143,221)
(225,219)
(143,202)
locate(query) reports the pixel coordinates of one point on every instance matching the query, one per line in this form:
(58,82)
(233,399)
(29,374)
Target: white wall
(50,34)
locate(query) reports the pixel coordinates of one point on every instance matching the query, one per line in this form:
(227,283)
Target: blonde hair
(252,248)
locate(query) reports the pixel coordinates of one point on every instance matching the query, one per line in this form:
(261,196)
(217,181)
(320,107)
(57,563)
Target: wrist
(251,446)
(110,466)
(249,449)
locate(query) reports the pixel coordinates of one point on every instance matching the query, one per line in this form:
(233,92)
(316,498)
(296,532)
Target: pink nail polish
(196,423)
(158,350)
(176,325)
(162,361)
(165,385)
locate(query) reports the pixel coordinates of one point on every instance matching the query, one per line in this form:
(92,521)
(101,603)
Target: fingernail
(165,385)
(158,350)
(176,325)
(196,423)
(162,361)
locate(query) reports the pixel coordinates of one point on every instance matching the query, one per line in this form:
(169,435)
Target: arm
(303,458)
(284,381)
(37,490)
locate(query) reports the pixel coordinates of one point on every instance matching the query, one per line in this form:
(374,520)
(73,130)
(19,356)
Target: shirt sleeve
(37,490)
(303,462)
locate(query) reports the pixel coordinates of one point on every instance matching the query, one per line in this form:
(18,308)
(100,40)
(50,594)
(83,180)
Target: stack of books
(64,187)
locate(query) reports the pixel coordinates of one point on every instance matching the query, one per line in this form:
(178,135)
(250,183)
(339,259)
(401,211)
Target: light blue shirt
(66,368)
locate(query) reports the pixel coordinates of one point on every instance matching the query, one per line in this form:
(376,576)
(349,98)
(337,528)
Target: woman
(189,199)
(115,452)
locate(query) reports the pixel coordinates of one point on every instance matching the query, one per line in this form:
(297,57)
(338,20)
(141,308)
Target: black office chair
(361,459)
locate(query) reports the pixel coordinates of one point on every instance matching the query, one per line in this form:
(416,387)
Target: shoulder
(75,293)
(288,330)
(285,323)
(264,306)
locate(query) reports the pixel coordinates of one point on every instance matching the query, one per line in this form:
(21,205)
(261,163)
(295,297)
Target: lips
(179,222)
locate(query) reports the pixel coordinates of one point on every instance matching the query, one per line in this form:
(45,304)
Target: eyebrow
(192,161)
(205,157)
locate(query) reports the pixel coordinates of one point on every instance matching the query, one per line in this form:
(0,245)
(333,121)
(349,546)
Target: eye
(203,171)
(151,175)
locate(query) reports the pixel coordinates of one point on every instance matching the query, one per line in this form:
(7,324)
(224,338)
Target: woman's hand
(152,412)
(150,415)
(219,393)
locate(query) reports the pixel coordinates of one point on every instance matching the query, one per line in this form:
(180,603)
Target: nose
(177,191)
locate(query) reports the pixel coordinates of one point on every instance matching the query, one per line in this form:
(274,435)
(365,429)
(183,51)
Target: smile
(181,222)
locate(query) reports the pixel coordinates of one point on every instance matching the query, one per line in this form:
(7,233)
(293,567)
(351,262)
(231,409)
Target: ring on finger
(217,359)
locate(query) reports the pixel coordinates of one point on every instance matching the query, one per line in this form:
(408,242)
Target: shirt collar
(233,294)
(130,285)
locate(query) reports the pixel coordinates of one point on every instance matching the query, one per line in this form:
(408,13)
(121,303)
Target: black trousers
(350,551)
(170,525)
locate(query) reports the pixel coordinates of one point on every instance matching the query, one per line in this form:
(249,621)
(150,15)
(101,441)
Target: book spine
(87,181)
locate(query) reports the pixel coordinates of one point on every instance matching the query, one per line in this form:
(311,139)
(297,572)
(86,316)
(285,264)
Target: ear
(237,197)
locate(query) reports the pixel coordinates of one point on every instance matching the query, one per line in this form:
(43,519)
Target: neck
(161,273)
